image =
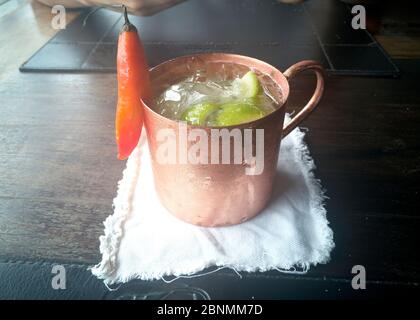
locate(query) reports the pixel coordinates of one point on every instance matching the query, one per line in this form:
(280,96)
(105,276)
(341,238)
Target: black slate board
(276,33)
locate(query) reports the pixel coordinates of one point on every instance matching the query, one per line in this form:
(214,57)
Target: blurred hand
(137,7)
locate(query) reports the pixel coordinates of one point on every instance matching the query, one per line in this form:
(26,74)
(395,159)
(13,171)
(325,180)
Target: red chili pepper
(133,85)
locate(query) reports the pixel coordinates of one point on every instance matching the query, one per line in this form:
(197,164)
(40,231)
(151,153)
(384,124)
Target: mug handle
(313,102)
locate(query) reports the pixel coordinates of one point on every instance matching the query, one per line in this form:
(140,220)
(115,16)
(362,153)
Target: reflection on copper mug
(223,194)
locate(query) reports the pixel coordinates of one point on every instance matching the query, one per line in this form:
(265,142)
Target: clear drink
(217,95)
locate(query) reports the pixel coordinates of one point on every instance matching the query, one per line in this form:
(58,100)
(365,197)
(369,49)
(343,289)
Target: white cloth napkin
(143,240)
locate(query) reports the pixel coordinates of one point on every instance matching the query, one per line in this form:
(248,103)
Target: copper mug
(222,194)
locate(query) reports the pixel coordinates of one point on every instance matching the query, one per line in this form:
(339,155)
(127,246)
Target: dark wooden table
(59,172)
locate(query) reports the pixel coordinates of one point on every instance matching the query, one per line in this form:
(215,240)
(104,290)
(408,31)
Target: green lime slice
(248,86)
(198,113)
(237,112)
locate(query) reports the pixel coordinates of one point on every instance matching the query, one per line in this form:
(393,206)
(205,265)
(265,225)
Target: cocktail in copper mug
(223,194)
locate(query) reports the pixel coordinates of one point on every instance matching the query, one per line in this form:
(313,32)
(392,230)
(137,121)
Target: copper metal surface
(222,194)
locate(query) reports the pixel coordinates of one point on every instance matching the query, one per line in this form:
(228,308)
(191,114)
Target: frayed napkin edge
(113,233)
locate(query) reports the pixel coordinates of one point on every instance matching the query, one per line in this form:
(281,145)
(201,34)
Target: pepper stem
(126,21)
(127,24)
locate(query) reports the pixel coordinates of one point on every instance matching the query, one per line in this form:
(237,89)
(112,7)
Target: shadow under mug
(208,194)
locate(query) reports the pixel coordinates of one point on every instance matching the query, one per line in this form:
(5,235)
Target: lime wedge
(248,86)
(198,113)
(237,112)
